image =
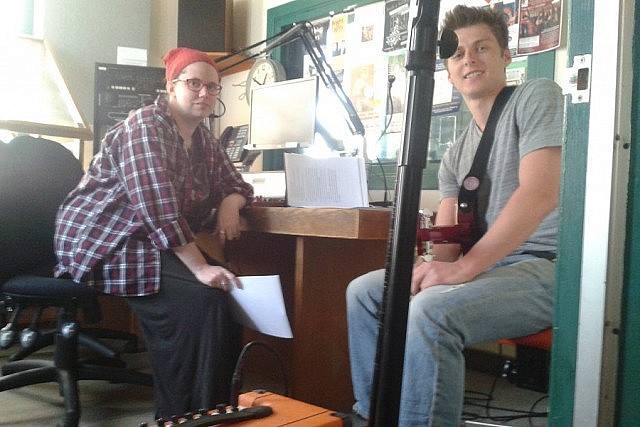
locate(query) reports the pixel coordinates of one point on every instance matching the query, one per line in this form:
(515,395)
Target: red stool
(541,340)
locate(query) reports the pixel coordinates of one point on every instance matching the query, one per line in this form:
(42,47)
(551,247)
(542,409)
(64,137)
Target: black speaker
(533,368)
(205,24)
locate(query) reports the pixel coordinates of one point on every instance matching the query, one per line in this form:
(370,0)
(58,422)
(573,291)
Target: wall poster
(396,24)
(539,26)
(366,46)
(534,25)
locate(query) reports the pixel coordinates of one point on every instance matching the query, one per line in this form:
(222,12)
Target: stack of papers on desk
(335,182)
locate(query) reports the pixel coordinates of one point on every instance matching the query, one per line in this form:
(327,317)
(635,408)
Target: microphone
(390,79)
(224,110)
(447,43)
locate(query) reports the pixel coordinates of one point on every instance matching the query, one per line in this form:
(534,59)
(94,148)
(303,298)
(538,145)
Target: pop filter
(447,44)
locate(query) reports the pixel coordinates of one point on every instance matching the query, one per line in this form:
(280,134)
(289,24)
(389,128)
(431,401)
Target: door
(628,370)
(588,377)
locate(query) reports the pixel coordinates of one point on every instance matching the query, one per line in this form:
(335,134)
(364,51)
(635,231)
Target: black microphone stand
(421,58)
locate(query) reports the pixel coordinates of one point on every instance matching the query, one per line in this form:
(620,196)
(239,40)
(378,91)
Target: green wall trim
(569,264)
(28,16)
(541,65)
(280,17)
(304,10)
(629,366)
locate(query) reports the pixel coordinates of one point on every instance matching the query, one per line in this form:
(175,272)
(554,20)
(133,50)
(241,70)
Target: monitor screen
(283,114)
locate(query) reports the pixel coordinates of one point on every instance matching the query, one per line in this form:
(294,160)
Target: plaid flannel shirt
(142,194)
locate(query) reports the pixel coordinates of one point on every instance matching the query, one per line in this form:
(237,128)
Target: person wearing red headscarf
(129,228)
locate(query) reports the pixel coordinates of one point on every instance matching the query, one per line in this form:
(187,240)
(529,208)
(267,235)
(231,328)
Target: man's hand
(427,274)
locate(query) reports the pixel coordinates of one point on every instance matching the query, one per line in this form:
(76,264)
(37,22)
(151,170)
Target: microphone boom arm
(304,32)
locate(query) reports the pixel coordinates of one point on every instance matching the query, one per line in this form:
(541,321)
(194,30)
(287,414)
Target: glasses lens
(214,88)
(194,84)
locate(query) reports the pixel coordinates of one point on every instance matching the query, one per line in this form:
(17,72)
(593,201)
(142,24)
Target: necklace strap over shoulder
(468,210)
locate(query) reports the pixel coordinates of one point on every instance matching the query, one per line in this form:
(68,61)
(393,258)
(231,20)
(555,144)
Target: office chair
(35,176)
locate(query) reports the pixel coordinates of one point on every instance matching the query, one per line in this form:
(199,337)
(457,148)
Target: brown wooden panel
(365,223)
(314,272)
(321,373)
(316,253)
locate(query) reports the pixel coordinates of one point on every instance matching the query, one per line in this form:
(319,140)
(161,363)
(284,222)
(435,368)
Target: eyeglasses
(196,85)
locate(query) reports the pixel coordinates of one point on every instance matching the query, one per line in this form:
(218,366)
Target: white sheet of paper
(260,306)
(333,182)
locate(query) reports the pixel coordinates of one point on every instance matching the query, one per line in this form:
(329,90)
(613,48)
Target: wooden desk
(316,252)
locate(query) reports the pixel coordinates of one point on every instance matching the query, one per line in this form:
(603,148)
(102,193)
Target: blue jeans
(512,299)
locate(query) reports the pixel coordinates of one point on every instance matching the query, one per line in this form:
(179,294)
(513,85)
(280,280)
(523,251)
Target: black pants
(191,340)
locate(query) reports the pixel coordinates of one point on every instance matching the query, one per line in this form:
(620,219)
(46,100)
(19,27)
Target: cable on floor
(483,400)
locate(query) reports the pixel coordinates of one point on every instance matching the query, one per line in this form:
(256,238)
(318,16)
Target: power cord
(389,107)
(483,400)
(389,114)
(236,379)
(383,177)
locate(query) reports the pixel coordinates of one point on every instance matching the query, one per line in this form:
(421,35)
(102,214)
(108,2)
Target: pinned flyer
(260,306)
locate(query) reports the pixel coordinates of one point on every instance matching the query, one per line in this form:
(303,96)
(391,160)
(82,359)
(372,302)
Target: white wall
(81,33)
(249,27)
(164,30)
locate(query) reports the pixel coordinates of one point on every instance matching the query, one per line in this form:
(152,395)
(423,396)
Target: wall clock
(264,71)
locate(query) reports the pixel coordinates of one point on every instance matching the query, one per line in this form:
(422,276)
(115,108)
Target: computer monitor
(283,114)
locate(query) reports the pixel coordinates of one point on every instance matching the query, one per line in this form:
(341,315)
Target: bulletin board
(366,44)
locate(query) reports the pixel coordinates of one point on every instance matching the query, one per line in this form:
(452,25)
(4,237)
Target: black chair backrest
(35,176)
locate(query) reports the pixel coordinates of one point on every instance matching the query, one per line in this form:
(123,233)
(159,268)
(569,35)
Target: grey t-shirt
(531,119)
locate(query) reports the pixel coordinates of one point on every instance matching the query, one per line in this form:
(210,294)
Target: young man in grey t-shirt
(501,287)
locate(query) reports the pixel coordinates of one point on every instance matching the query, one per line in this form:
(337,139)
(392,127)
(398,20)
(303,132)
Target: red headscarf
(176,59)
